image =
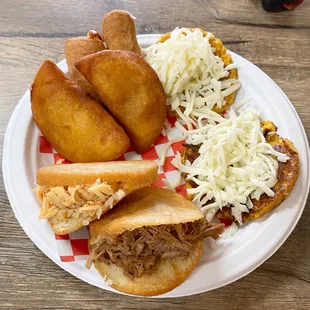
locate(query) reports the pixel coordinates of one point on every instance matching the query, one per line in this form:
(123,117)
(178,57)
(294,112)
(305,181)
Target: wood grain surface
(279,43)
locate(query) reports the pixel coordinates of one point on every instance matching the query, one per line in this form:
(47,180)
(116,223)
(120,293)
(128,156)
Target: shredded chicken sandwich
(78,201)
(71,196)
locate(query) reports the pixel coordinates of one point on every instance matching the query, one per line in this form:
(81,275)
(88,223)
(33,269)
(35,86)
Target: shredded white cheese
(190,71)
(235,163)
(167,126)
(60,161)
(167,146)
(172,186)
(168,185)
(230,231)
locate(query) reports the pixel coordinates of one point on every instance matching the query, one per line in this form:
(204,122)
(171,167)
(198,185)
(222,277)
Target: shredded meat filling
(140,251)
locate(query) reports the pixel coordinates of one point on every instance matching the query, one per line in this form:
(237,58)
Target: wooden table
(279,43)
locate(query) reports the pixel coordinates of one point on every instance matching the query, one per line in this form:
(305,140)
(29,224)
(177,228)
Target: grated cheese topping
(235,164)
(190,71)
(230,231)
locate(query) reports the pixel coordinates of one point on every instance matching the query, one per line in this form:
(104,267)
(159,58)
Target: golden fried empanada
(132,92)
(78,47)
(77,126)
(119,31)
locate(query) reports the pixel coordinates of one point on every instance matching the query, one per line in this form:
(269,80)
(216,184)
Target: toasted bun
(148,207)
(64,227)
(170,274)
(126,174)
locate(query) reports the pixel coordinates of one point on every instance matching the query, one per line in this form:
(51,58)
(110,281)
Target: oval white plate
(232,258)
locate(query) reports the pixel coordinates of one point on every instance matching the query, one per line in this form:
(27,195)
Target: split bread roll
(75,49)
(169,274)
(74,195)
(150,243)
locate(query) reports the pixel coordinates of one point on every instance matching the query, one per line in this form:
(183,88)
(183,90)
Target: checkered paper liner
(73,247)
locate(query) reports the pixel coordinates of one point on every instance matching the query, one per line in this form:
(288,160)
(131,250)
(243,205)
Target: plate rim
(55,258)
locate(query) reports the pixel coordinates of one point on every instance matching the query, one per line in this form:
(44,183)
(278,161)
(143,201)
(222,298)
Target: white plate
(233,258)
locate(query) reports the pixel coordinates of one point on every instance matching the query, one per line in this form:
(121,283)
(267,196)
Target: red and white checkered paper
(73,247)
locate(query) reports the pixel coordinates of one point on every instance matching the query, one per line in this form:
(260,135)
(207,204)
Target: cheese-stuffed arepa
(195,69)
(286,176)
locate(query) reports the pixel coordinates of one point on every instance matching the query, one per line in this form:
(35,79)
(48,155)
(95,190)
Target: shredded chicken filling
(79,201)
(139,251)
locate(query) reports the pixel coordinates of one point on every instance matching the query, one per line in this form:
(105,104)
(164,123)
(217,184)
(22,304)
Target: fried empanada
(119,31)
(78,47)
(77,126)
(131,90)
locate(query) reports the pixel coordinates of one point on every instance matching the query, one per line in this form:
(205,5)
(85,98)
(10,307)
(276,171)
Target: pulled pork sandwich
(150,243)
(72,196)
